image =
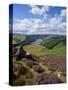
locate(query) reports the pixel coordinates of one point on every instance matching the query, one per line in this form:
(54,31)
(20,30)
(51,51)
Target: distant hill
(49,46)
(39,50)
(26,39)
(51,42)
(18,38)
(31,38)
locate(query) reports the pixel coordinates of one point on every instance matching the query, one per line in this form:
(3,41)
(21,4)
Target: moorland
(39,59)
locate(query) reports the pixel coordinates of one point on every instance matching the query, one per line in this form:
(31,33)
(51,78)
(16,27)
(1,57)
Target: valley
(39,59)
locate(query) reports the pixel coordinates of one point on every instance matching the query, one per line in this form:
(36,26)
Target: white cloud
(37,10)
(38,26)
(56,20)
(52,25)
(45,16)
(26,25)
(63,12)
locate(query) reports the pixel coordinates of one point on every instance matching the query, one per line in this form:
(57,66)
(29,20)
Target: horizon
(38,34)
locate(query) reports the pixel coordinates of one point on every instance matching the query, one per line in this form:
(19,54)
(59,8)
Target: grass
(50,43)
(50,46)
(14,42)
(60,49)
(38,50)
(18,38)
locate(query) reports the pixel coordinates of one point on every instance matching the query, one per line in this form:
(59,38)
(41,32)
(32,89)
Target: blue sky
(39,19)
(22,11)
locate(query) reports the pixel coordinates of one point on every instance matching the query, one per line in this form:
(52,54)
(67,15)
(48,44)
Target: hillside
(51,42)
(26,39)
(35,64)
(18,38)
(38,50)
(59,49)
(50,45)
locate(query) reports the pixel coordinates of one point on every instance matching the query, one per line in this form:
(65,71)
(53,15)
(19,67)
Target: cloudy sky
(35,19)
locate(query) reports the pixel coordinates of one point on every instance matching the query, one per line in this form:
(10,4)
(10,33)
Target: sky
(39,19)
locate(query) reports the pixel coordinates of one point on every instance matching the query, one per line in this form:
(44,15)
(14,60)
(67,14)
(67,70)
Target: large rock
(21,54)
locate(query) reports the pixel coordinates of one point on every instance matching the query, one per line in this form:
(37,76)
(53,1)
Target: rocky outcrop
(21,53)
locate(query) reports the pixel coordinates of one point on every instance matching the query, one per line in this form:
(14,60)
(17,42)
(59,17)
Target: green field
(38,50)
(49,46)
(18,38)
(51,42)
